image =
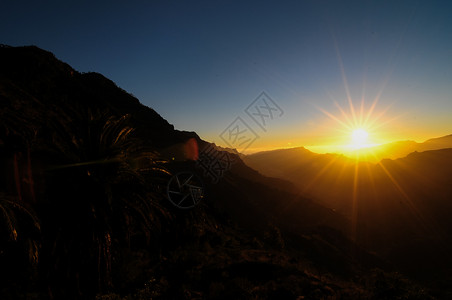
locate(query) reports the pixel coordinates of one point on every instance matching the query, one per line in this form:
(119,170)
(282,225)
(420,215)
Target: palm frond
(107,196)
(21,225)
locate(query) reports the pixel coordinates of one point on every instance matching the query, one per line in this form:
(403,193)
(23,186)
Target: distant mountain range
(400,149)
(397,207)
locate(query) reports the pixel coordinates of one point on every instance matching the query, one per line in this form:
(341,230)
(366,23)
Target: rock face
(84,168)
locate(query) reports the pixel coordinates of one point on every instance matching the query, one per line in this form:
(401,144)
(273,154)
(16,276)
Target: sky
(259,75)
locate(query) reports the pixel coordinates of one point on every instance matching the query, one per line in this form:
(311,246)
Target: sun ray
(363,97)
(372,107)
(361,112)
(344,79)
(343,113)
(407,200)
(372,179)
(354,222)
(378,117)
(333,117)
(384,123)
(320,173)
(428,181)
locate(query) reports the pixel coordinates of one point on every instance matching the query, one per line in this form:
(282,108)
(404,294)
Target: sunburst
(360,127)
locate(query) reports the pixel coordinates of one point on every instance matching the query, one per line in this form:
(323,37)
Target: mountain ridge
(392,150)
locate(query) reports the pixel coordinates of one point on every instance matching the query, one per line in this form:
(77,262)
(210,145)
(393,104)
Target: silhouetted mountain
(84,172)
(300,166)
(33,80)
(399,208)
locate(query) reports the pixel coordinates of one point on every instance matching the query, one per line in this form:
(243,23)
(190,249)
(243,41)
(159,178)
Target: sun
(359,129)
(359,138)
(362,127)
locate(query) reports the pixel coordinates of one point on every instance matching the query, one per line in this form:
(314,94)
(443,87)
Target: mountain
(398,208)
(84,205)
(437,143)
(400,149)
(300,166)
(34,80)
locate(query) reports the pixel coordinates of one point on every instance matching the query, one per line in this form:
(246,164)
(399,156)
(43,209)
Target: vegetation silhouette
(106,201)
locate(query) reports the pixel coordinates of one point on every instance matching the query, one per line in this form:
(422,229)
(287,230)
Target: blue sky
(201,63)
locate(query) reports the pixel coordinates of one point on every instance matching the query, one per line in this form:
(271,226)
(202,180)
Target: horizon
(337,149)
